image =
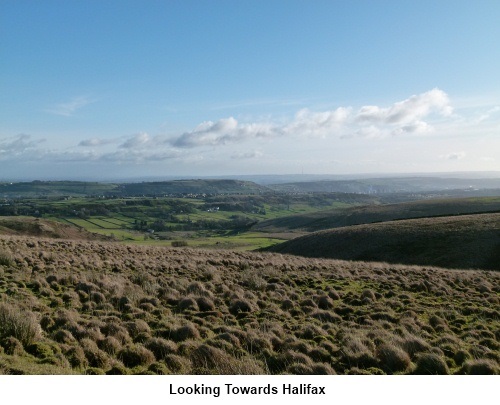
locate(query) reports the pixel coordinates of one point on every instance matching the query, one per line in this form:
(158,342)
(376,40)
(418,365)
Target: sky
(102,89)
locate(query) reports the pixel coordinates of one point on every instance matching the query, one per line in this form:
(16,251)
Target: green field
(99,226)
(245,241)
(230,221)
(210,221)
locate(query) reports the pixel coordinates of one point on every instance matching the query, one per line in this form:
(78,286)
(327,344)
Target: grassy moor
(466,241)
(160,278)
(381,210)
(93,307)
(268,188)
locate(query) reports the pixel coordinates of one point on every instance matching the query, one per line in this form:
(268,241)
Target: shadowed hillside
(94,307)
(468,241)
(379,213)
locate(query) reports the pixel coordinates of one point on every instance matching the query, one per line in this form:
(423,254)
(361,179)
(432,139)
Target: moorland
(464,241)
(164,278)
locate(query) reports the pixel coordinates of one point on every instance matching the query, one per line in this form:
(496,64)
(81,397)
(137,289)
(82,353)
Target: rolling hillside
(389,185)
(379,213)
(201,186)
(466,241)
(56,188)
(81,188)
(29,226)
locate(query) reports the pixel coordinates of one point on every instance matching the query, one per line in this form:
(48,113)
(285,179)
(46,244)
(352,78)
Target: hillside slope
(56,188)
(93,308)
(468,241)
(379,213)
(30,226)
(389,185)
(81,188)
(200,186)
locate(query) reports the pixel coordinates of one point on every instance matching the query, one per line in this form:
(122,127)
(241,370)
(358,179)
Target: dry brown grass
(104,308)
(19,324)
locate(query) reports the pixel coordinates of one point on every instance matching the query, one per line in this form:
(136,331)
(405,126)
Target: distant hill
(29,226)
(379,213)
(468,241)
(81,188)
(388,185)
(56,188)
(200,186)
(378,186)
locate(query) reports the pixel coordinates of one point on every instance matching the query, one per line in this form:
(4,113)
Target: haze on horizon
(129,89)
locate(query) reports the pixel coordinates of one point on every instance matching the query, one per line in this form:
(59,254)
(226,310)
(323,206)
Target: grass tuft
(393,359)
(431,364)
(480,367)
(136,355)
(21,325)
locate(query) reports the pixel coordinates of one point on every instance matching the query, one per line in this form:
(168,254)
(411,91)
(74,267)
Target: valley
(248,282)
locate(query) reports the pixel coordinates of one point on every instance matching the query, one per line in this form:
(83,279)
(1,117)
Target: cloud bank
(224,131)
(404,117)
(421,125)
(18,145)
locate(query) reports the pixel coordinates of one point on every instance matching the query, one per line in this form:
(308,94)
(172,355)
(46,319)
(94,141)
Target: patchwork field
(218,221)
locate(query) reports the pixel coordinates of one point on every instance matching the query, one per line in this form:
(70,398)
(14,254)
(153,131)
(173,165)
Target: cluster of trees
(235,223)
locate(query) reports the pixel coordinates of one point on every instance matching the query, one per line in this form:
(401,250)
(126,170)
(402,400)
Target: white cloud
(223,132)
(321,123)
(23,148)
(254,154)
(408,111)
(417,127)
(370,132)
(94,142)
(454,156)
(18,145)
(139,156)
(139,140)
(404,117)
(409,116)
(395,136)
(487,115)
(69,108)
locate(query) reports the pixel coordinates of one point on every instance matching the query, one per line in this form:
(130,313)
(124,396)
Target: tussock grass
(6,258)
(393,359)
(481,367)
(161,348)
(431,363)
(18,324)
(136,355)
(103,308)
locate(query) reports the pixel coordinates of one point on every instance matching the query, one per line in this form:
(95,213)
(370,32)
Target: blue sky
(113,89)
